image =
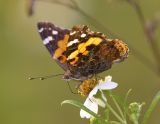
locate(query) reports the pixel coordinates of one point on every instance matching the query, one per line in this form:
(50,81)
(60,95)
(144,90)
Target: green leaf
(81,106)
(151,108)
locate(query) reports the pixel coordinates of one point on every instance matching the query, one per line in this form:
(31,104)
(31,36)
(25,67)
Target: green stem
(103,96)
(135,122)
(125,103)
(114,122)
(115,114)
(151,108)
(118,107)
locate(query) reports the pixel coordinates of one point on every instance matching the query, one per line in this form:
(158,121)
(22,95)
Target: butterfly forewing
(55,39)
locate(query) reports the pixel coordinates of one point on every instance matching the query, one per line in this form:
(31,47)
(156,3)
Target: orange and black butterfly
(81,52)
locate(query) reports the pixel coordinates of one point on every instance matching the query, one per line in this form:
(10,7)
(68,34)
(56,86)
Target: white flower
(91,102)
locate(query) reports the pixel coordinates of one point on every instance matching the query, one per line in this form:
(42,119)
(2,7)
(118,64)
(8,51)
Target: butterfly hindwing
(55,39)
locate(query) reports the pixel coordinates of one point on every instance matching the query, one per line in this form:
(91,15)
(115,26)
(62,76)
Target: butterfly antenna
(44,77)
(71,88)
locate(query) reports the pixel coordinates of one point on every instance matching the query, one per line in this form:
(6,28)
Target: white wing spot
(40,30)
(47,40)
(72,33)
(72,42)
(54,32)
(83,35)
(109,39)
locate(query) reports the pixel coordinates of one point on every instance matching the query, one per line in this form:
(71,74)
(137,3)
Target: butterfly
(80,52)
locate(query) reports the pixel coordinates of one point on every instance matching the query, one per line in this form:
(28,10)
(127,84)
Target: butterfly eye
(66,77)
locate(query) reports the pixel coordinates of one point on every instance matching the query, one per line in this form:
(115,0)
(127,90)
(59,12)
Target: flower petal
(93,92)
(108,78)
(91,105)
(100,102)
(107,85)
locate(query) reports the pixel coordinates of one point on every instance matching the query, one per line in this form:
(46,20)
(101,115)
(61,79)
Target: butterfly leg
(71,88)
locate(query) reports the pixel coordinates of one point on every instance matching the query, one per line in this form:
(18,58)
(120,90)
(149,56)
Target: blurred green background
(22,55)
